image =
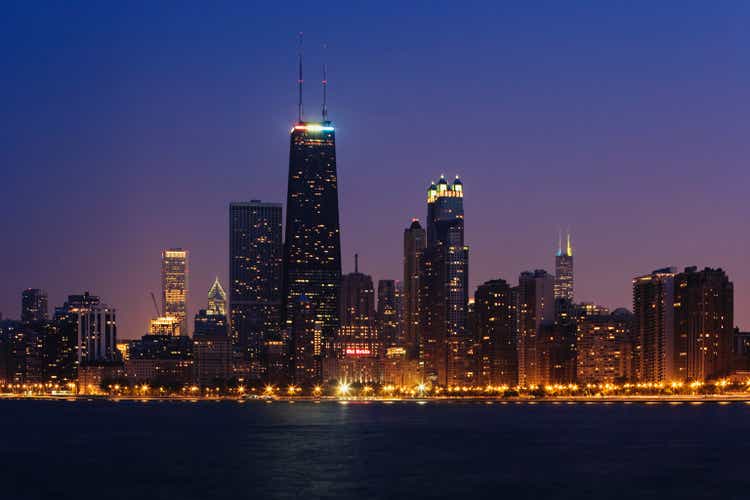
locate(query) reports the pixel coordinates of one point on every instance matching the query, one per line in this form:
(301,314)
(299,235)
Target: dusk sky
(129,127)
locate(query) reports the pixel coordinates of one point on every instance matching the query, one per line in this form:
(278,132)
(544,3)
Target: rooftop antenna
(325,85)
(299,80)
(356,262)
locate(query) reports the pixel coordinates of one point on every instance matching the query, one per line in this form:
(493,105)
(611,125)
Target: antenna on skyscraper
(299,80)
(559,241)
(325,85)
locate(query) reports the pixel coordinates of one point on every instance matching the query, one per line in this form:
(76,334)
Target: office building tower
(174,285)
(255,280)
(605,348)
(95,327)
(495,324)
(312,249)
(306,337)
(33,305)
(535,308)
(443,280)
(212,349)
(389,312)
(564,271)
(217,299)
(415,240)
(704,320)
(165,325)
(653,309)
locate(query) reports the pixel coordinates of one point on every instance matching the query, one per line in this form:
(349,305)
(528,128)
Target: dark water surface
(223,450)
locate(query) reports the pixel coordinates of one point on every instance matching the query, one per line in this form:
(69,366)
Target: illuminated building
(535,308)
(495,323)
(174,285)
(95,329)
(255,279)
(704,316)
(604,345)
(217,299)
(165,325)
(33,305)
(653,309)
(160,360)
(306,334)
(212,349)
(564,271)
(312,250)
(398,369)
(415,240)
(443,280)
(389,312)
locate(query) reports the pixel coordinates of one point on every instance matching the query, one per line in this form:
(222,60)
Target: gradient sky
(129,127)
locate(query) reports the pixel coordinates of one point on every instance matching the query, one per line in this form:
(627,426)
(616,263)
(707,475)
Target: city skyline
(625,221)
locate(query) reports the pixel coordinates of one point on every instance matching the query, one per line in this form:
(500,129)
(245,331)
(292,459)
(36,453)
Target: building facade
(656,355)
(605,348)
(33,305)
(564,279)
(415,241)
(535,309)
(95,329)
(174,285)
(495,323)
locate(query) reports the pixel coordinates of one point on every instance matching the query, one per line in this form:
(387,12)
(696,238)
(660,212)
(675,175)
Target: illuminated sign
(358,351)
(313,128)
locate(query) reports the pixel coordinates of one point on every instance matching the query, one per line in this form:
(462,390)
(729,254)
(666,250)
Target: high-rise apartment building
(33,305)
(605,348)
(415,240)
(535,308)
(495,323)
(95,328)
(389,312)
(174,285)
(255,281)
(653,308)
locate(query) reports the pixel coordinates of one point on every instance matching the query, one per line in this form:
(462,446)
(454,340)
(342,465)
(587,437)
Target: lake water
(227,450)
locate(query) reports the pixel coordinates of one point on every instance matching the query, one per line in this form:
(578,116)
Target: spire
(299,79)
(559,242)
(568,248)
(325,86)
(356,262)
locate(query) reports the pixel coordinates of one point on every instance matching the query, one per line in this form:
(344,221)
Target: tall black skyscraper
(255,279)
(444,296)
(33,305)
(414,245)
(312,249)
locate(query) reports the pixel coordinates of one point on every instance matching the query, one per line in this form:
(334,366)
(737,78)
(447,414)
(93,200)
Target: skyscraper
(564,271)
(96,328)
(535,309)
(704,319)
(389,312)
(605,348)
(415,240)
(33,305)
(217,298)
(174,285)
(495,322)
(255,280)
(653,307)
(443,281)
(312,249)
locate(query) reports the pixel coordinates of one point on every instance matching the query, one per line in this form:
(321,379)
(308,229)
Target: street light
(343,389)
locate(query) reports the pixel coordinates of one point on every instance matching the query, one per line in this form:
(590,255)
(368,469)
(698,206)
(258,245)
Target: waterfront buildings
(443,280)
(33,305)
(415,240)
(389,312)
(653,309)
(212,349)
(535,308)
(306,334)
(255,282)
(496,324)
(95,327)
(605,348)
(704,322)
(174,285)
(564,279)
(312,249)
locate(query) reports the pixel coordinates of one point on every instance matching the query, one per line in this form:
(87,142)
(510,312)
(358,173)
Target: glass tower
(174,285)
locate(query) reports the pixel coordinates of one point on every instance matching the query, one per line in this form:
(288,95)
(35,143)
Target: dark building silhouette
(445,345)
(33,305)
(535,308)
(415,241)
(255,281)
(160,360)
(704,322)
(389,313)
(495,324)
(95,327)
(306,333)
(212,349)
(653,310)
(312,248)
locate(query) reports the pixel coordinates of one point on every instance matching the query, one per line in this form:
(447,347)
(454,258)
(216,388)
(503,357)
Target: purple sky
(129,128)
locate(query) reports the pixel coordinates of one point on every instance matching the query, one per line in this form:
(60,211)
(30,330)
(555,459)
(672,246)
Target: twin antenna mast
(300,81)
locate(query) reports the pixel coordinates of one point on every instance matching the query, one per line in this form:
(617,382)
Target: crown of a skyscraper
(445,190)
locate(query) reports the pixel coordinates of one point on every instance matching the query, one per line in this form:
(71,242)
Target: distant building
(496,325)
(445,344)
(415,240)
(306,334)
(33,305)
(174,285)
(605,348)
(255,280)
(389,312)
(165,325)
(398,369)
(212,349)
(160,360)
(217,299)
(95,328)
(653,308)
(704,322)
(535,308)
(564,279)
